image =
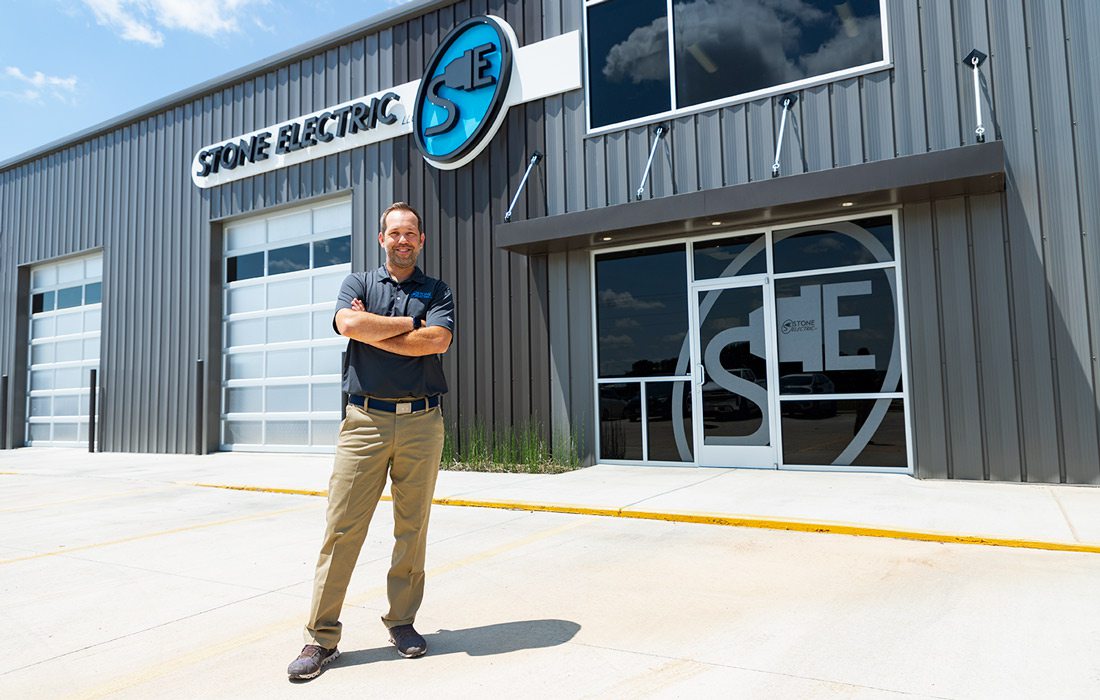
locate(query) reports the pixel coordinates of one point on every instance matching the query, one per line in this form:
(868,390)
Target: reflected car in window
(808,383)
(722,404)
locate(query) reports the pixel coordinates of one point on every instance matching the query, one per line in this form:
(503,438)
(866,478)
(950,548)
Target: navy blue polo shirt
(370,371)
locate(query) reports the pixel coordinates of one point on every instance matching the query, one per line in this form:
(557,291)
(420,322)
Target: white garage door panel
(64,348)
(281,388)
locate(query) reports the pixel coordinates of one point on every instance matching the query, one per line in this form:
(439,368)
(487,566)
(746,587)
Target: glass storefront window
(642,312)
(837,333)
(839,244)
(797,368)
(668,421)
(620,437)
(864,433)
(628,74)
(729,257)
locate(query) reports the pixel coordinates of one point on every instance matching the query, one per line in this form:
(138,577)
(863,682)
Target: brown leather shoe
(311,662)
(408,641)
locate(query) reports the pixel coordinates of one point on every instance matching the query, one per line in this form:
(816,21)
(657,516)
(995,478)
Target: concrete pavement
(119,578)
(1029,515)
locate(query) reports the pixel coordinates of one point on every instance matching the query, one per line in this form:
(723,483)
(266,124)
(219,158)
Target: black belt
(399,407)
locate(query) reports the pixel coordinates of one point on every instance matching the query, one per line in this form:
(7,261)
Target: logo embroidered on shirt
(421,295)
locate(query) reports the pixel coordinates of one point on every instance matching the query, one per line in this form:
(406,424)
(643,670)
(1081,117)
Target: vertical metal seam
(1047,294)
(976,331)
(1080,221)
(937,283)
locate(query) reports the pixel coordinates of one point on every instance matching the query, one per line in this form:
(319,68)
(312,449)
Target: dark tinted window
(69,297)
(628,70)
(43,301)
(668,421)
(731,47)
(93,293)
(333,251)
(835,245)
(289,259)
(866,433)
(837,333)
(620,437)
(244,267)
(726,257)
(641,312)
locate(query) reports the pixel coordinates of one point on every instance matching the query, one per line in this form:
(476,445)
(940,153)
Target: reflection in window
(620,437)
(244,267)
(333,251)
(866,433)
(859,242)
(734,395)
(641,312)
(668,421)
(837,333)
(43,301)
(723,49)
(289,259)
(726,257)
(732,47)
(93,293)
(627,60)
(69,297)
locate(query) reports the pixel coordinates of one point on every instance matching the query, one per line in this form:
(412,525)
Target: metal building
(817,235)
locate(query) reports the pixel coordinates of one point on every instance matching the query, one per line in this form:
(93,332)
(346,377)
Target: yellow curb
(730,521)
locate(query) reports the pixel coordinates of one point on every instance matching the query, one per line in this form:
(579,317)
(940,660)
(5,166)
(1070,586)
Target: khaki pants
(371,442)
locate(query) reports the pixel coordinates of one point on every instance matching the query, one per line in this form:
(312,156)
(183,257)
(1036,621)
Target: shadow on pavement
(501,638)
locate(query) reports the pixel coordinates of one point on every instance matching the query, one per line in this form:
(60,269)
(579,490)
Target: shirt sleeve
(352,288)
(441,309)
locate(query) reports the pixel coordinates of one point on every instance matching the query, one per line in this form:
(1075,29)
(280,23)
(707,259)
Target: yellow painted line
(159,533)
(10,473)
(264,489)
(825,527)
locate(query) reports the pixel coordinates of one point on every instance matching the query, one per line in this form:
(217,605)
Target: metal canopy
(975,169)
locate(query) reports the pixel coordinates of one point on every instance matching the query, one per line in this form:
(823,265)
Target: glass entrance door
(734,373)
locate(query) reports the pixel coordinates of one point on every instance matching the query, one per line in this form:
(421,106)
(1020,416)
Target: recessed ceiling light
(716,223)
(847,204)
(607,238)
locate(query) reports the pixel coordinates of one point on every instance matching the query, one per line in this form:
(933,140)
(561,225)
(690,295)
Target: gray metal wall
(1003,320)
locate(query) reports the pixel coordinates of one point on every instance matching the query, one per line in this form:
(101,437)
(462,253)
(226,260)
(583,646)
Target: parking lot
(130,584)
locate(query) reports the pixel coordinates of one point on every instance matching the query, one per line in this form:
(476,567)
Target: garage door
(281,387)
(64,348)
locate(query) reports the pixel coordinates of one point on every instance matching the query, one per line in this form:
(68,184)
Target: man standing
(398,321)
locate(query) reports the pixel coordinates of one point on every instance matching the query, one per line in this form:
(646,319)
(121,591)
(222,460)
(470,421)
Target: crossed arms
(391,333)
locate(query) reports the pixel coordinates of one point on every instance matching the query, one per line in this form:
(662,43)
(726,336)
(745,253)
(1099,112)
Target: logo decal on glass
(463,96)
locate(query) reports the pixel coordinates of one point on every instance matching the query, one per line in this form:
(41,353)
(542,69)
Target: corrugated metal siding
(1007,351)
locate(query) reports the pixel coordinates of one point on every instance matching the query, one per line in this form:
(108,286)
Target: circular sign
(462,98)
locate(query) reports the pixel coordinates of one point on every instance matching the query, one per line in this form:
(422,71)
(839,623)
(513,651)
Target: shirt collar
(417,276)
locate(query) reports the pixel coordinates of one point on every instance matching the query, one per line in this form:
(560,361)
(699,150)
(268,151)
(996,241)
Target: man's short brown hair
(400,206)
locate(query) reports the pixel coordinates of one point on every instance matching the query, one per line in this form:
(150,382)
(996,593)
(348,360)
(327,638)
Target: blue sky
(66,65)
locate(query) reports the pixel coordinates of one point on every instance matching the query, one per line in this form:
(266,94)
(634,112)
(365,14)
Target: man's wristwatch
(416,322)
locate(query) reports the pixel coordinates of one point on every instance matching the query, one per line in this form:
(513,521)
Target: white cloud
(143,20)
(620,340)
(38,83)
(626,300)
(747,36)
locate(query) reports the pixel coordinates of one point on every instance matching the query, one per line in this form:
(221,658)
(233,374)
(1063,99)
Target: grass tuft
(480,448)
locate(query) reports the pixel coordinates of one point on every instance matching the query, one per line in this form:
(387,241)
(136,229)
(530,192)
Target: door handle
(700,374)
